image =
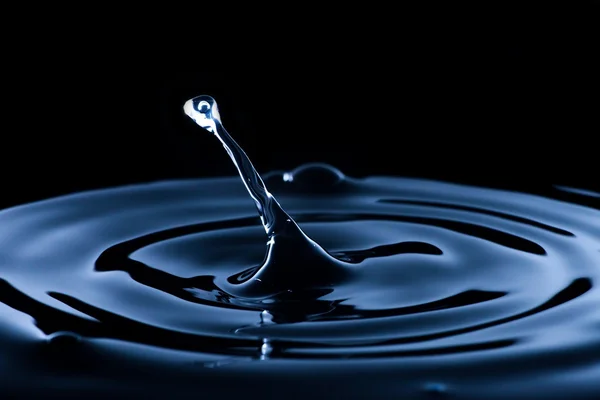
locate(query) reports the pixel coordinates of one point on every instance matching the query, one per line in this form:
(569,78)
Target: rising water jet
(293,261)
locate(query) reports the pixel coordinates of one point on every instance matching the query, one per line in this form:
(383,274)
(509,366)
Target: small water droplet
(315,176)
(288,177)
(266,318)
(63,339)
(266,349)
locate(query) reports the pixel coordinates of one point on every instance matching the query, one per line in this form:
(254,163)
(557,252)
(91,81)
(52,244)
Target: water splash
(293,261)
(452,291)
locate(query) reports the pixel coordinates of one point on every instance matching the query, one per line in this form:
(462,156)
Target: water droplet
(266,349)
(266,318)
(288,177)
(63,339)
(315,176)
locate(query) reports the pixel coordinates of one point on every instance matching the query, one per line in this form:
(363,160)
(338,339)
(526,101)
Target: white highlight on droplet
(265,349)
(202,114)
(288,177)
(266,318)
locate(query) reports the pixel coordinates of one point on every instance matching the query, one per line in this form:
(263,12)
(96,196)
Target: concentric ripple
(455,287)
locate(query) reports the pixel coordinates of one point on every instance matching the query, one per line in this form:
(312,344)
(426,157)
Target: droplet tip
(204,111)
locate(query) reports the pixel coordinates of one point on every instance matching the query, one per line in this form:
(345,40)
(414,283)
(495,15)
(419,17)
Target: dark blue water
(382,287)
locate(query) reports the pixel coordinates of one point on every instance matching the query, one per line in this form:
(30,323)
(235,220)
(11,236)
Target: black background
(502,96)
